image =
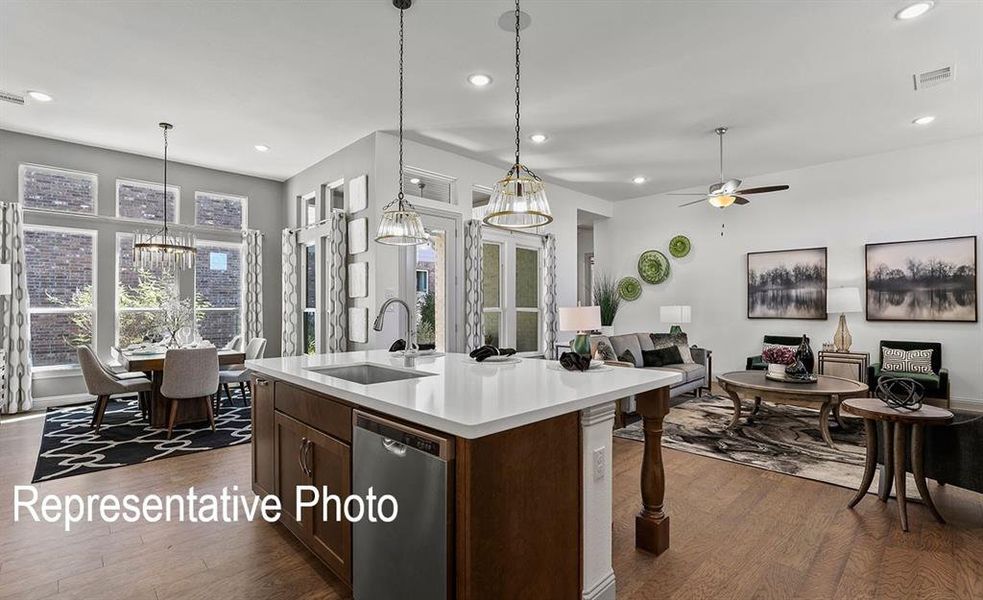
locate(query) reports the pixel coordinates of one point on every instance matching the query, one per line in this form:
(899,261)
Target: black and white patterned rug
(69,446)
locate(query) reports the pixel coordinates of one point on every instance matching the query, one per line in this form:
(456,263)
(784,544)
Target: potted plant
(608,299)
(778,359)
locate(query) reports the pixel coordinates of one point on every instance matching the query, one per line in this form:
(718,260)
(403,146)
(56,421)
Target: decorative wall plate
(653,266)
(679,246)
(629,288)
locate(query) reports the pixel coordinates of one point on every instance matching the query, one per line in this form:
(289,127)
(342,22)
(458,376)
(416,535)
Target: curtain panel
(474,336)
(549,296)
(15,321)
(290,336)
(336,274)
(253,302)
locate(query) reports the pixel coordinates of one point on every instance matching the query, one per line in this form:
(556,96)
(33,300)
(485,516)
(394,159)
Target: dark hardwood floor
(737,532)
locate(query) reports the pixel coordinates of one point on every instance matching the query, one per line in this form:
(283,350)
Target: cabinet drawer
(320,412)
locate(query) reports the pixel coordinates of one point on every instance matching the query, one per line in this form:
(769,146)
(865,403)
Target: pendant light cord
(399,196)
(721,136)
(164,196)
(517,13)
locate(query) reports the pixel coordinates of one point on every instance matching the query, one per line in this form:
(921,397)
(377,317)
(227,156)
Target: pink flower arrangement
(778,355)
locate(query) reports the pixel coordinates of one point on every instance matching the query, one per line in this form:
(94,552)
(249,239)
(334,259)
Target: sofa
(936,384)
(756,363)
(695,376)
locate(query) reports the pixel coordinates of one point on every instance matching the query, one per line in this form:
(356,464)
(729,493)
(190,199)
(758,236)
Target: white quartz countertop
(465,398)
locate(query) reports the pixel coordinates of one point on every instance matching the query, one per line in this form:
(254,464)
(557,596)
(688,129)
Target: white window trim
(177,199)
(94,310)
(242,280)
(326,191)
(243,200)
(302,202)
(95,188)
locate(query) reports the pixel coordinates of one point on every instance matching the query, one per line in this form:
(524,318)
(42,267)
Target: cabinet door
(290,439)
(263,436)
(330,462)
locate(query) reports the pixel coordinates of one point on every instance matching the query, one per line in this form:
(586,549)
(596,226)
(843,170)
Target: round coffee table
(825,394)
(897,422)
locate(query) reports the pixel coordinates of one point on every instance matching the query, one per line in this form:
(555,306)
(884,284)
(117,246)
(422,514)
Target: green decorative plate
(630,288)
(679,246)
(653,266)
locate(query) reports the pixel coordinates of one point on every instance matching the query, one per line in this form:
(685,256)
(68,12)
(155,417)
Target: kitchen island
(527,450)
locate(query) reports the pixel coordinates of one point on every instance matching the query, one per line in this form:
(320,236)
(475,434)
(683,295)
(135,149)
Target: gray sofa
(695,375)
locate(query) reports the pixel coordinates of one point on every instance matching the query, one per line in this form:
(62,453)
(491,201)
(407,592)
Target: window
(60,284)
(431,186)
(310,299)
(491,291)
(142,200)
(218,291)
(526,299)
(58,189)
(139,295)
(422,280)
(511,290)
(334,194)
(220,210)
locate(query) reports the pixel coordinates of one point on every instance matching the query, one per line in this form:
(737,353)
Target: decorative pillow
(604,351)
(679,340)
(662,357)
(627,357)
(907,361)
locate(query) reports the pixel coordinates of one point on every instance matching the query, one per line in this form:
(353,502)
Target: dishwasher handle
(398,438)
(394,447)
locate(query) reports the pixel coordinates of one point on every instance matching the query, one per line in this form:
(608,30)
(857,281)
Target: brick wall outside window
(218,282)
(217,210)
(136,200)
(57,189)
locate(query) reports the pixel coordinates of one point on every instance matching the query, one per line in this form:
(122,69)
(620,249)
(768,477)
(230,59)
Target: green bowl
(679,246)
(629,288)
(653,266)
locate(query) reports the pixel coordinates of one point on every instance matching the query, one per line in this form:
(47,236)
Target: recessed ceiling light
(915,10)
(924,120)
(639,180)
(479,79)
(539,138)
(415,181)
(262,148)
(39,96)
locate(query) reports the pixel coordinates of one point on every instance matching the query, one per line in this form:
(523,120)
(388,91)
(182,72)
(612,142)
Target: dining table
(152,363)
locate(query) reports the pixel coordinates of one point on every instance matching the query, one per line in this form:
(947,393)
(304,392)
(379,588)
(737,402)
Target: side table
(849,365)
(896,425)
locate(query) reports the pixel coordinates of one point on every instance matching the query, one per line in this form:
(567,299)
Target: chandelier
(160,248)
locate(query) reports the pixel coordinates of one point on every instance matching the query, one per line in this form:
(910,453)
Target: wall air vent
(933,78)
(11,97)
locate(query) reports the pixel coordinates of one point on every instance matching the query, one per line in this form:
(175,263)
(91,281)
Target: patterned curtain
(15,322)
(336,274)
(474,336)
(253,249)
(549,296)
(290,336)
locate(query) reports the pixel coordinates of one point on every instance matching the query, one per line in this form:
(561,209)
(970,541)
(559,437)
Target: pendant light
(160,248)
(519,200)
(401,224)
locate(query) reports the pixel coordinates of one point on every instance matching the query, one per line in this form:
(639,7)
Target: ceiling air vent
(11,97)
(933,78)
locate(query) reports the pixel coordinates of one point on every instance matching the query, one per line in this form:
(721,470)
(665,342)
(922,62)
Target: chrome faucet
(410,351)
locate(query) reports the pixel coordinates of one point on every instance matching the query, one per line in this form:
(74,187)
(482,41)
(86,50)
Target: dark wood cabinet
(262,428)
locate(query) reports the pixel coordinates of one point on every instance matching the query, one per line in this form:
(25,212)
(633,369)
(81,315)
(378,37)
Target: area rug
(785,439)
(69,446)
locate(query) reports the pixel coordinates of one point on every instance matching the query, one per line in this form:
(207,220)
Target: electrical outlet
(599,463)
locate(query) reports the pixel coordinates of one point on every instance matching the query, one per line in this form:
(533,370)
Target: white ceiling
(622,87)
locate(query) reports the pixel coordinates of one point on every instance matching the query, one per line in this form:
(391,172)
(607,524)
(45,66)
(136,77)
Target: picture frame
(787,284)
(358,236)
(358,194)
(926,280)
(358,280)
(358,325)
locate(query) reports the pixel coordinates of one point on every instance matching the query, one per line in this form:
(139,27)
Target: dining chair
(103,384)
(189,375)
(241,375)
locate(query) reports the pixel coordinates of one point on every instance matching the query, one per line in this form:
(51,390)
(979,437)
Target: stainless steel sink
(368,374)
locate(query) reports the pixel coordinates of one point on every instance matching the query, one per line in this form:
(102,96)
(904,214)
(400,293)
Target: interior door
(431,282)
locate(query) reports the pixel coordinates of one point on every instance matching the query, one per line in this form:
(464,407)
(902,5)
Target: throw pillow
(604,351)
(907,361)
(627,357)
(679,340)
(662,357)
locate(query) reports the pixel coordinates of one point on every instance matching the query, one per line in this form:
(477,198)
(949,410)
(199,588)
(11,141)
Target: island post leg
(652,523)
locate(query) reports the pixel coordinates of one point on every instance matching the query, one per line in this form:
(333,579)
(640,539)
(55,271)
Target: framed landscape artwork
(922,280)
(787,284)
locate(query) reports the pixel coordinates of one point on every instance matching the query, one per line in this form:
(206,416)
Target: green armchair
(754,363)
(936,384)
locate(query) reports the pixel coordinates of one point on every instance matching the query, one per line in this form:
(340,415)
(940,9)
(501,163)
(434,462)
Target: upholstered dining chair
(240,374)
(189,375)
(103,384)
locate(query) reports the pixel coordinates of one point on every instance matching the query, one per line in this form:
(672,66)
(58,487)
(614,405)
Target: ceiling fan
(725,193)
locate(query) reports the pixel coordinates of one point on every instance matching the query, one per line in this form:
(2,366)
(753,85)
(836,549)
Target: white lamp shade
(843,300)
(580,318)
(5,283)
(675,315)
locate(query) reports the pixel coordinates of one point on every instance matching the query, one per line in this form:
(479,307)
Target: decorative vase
(581,344)
(776,369)
(804,354)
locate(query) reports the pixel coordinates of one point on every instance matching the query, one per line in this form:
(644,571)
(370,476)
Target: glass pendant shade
(401,225)
(519,201)
(164,250)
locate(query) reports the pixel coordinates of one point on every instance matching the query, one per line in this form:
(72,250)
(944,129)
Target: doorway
(430,282)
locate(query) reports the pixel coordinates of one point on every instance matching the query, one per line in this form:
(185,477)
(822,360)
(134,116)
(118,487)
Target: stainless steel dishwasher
(407,558)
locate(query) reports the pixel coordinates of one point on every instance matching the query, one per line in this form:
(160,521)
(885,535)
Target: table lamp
(583,320)
(675,316)
(843,300)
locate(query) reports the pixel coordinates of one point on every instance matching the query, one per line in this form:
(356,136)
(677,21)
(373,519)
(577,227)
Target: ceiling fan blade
(693,202)
(763,190)
(739,200)
(682,194)
(730,186)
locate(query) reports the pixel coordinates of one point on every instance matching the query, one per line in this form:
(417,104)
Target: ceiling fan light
(722,201)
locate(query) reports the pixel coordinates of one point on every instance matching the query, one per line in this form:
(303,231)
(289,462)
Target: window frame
(117,309)
(94,310)
(508,243)
(177,200)
(244,201)
(95,188)
(242,282)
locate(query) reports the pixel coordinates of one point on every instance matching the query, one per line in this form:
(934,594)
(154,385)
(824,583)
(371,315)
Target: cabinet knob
(262,382)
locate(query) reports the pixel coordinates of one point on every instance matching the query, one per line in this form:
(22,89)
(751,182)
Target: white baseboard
(966,404)
(602,590)
(63,400)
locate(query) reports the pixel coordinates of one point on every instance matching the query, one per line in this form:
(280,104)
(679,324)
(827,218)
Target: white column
(596,424)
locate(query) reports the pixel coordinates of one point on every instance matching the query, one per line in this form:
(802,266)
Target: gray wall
(265,213)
